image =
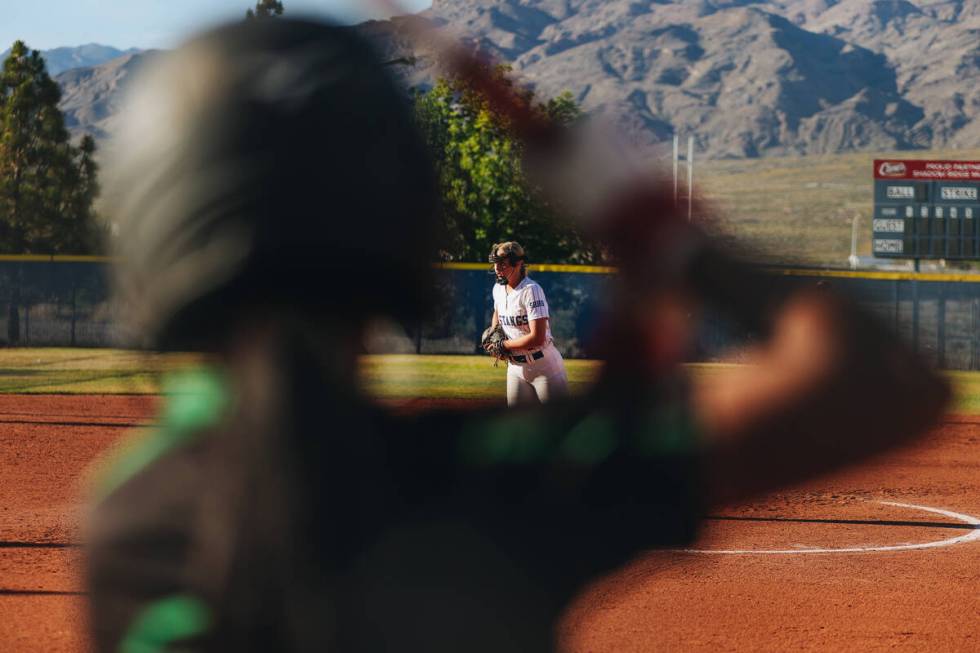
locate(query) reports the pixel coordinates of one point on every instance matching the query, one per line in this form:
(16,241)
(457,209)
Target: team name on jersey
(513,320)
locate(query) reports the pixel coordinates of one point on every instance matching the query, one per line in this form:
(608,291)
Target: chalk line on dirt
(968,519)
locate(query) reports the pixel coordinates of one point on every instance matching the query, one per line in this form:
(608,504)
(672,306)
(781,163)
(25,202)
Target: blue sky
(46,24)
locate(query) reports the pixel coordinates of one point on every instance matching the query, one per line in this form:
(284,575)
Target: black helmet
(268,164)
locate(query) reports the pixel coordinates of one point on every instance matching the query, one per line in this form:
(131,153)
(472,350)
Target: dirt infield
(767,576)
(47,442)
(803,595)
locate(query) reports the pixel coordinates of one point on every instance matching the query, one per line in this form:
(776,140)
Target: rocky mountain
(746,77)
(934,49)
(750,77)
(90,97)
(59,60)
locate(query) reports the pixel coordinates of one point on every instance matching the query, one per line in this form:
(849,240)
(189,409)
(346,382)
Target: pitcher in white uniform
(535,369)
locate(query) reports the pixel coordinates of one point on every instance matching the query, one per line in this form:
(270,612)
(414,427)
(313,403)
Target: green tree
(79,229)
(47,185)
(265,9)
(33,150)
(486,198)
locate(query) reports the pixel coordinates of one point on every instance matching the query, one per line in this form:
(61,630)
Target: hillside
(748,78)
(58,60)
(91,96)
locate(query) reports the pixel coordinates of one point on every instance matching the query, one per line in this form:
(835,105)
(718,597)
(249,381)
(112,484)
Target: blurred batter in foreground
(272,196)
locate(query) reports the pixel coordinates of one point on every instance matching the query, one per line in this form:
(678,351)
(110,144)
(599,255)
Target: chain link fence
(56,301)
(66,302)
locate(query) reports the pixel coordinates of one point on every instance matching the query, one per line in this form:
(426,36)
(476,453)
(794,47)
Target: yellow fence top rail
(966,277)
(533,267)
(883,275)
(53,258)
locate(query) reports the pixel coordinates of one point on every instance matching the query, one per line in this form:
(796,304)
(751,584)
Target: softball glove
(492,342)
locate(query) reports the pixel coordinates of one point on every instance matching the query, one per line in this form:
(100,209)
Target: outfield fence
(66,301)
(57,301)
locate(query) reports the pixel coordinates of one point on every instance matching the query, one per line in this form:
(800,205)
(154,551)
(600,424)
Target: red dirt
(923,599)
(916,600)
(46,445)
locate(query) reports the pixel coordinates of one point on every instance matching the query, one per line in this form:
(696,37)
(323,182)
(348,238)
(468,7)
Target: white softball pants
(537,381)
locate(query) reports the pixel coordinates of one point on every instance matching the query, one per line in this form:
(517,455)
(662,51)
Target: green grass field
(84,371)
(437,377)
(110,371)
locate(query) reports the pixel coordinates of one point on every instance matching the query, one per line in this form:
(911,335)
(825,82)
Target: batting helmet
(267,164)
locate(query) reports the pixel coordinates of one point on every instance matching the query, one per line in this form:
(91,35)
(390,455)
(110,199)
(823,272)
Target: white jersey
(516,309)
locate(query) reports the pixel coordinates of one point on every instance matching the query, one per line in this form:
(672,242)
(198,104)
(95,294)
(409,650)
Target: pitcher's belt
(521,358)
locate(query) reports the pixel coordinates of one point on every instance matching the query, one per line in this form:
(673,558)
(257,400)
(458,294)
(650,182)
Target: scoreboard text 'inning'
(926,209)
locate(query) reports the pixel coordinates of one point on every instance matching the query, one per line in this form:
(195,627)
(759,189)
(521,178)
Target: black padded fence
(462,308)
(54,301)
(66,302)
(938,314)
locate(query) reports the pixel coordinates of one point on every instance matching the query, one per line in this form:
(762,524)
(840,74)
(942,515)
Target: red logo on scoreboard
(891,169)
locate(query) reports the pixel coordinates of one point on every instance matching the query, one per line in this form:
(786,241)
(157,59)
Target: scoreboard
(926,209)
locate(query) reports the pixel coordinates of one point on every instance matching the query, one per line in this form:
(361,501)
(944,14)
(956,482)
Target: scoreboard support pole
(915,314)
(915,307)
(974,322)
(941,324)
(896,295)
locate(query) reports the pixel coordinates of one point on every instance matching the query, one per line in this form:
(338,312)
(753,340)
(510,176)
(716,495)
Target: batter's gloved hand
(492,342)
